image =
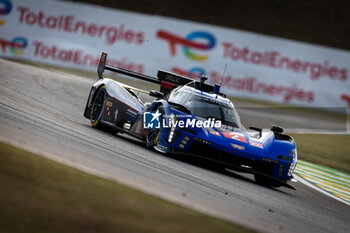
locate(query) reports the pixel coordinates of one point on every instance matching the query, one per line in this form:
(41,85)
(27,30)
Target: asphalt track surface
(42,110)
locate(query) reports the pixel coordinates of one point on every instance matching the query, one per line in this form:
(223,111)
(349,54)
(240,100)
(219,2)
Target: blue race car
(192,118)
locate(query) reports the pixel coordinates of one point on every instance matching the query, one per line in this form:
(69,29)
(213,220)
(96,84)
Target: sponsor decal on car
(235,136)
(256,144)
(217,133)
(109,104)
(202,140)
(237,146)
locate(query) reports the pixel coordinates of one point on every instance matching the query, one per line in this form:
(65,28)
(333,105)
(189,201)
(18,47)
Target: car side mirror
(156,94)
(276,129)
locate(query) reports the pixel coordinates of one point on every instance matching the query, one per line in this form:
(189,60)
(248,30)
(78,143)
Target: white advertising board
(261,67)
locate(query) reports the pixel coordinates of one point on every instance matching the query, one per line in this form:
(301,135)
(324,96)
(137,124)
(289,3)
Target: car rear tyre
(97,108)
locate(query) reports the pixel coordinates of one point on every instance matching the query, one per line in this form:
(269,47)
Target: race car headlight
(171,134)
(293,153)
(172,120)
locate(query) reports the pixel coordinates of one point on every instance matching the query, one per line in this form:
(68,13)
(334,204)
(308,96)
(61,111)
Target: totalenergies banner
(261,67)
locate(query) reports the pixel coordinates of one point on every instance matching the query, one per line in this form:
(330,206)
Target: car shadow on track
(215,167)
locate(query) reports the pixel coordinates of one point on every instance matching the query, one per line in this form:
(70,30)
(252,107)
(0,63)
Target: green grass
(326,149)
(39,195)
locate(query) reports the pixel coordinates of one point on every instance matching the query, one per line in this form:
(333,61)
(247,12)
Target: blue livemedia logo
(151,120)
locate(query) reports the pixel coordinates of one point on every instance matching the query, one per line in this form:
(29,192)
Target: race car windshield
(207,108)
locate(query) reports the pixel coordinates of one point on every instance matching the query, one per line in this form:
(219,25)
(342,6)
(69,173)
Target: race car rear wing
(167,80)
